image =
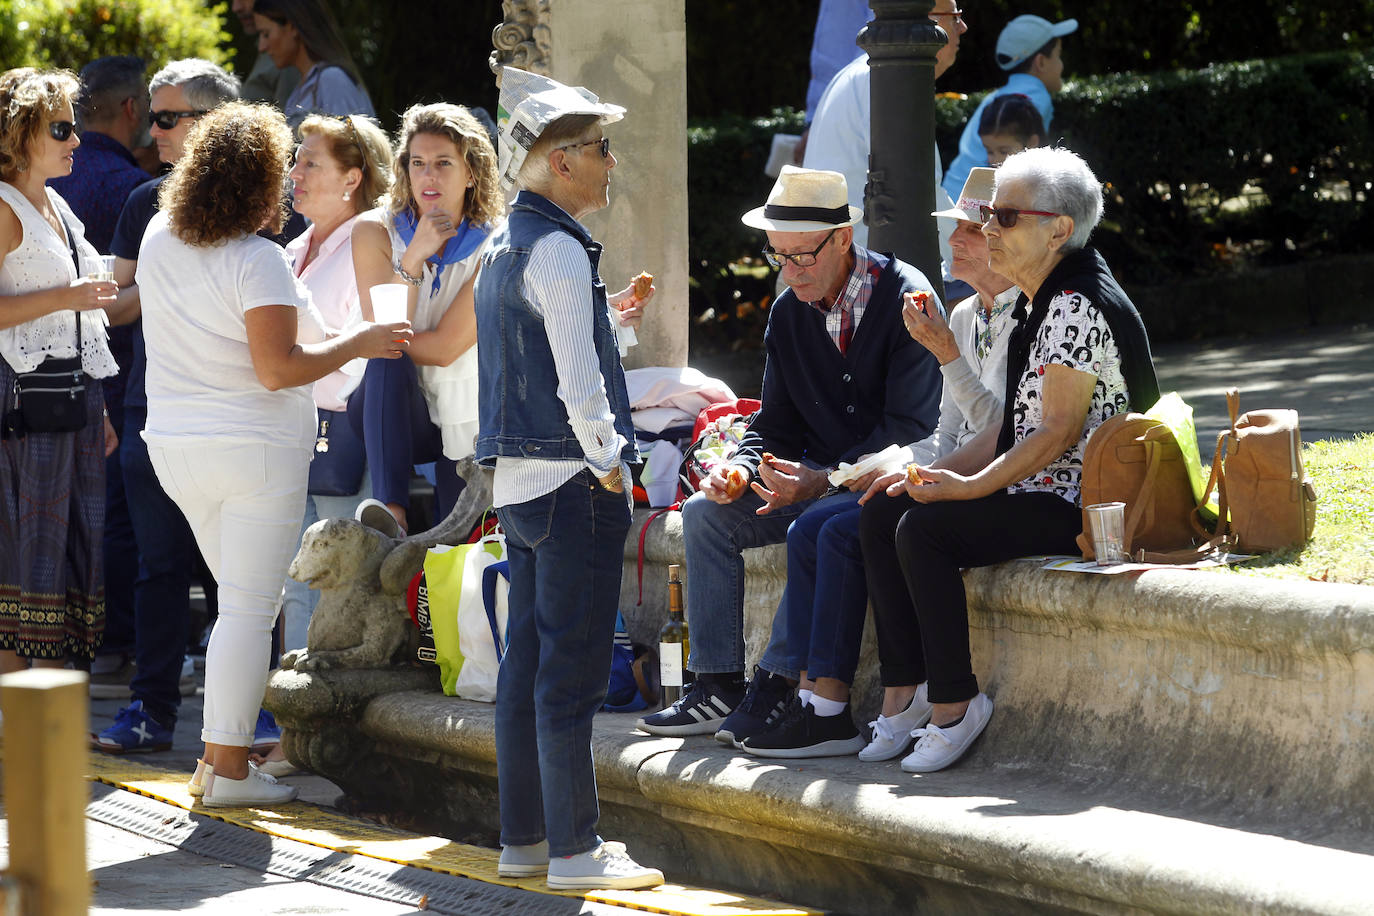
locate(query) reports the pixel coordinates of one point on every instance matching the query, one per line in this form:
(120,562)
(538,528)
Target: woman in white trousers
(232,349)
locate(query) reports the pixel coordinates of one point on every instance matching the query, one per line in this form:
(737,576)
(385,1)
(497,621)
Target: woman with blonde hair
(342,169)
(429,235)
(52,482)
(230,419)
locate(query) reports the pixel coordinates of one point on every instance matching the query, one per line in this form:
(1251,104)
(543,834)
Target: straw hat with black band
(805,200)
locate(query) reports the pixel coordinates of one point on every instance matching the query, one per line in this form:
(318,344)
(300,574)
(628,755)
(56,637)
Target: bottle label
(670,664)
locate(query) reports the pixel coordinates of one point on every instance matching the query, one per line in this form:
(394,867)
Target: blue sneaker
(767,698)
(134,731)
(267,732)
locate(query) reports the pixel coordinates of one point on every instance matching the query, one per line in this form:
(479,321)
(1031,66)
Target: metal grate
(302,862)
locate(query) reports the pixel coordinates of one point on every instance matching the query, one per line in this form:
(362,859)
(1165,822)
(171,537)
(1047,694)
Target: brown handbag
(1260,482)
(1134,459)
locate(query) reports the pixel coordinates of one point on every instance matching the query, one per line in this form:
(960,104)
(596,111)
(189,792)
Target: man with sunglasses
(842,380)
(112,111)
(179,94)
(554,424)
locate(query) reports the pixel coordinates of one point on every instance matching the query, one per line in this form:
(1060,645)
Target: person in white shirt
(230,418)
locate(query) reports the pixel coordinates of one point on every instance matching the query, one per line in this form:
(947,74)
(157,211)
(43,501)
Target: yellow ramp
(333,830)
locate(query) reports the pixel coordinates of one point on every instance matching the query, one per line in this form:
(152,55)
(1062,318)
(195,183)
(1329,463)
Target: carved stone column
(632,53)
(901,42)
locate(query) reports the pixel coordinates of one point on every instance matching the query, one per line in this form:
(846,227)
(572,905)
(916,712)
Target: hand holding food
(643,285)
(735,482)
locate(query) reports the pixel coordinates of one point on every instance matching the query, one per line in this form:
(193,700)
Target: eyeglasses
(167,119)
(805,259)
(956,15)
(1007,216)
(604,141)
(60,130)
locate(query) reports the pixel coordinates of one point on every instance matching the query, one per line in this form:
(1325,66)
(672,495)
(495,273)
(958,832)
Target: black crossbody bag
(51,398)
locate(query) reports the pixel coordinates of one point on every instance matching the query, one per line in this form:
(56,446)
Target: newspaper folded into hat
(529,103)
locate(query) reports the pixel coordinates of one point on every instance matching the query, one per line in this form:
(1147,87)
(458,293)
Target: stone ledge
(1176,741)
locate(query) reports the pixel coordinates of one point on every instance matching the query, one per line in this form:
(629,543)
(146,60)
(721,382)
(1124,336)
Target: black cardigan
(1083,271)
(824,408)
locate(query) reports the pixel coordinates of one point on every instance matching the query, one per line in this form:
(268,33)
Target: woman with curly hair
(304,35)
(429,234)
(230,416)
(52,484)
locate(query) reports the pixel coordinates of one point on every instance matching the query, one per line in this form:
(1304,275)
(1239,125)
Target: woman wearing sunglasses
(303,34)
(1078,356)
(428,234)
(52,484)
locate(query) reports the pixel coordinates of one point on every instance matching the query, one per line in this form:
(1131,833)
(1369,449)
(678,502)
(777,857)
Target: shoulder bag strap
(76,262)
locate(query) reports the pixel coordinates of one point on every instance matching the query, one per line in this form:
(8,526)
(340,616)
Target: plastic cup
(1108,524)
(389,302)
(103,269)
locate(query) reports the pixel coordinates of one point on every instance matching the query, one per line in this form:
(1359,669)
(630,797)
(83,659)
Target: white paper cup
(1108,524)
(389,302)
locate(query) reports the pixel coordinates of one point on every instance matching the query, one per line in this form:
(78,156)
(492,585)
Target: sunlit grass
(1342,545)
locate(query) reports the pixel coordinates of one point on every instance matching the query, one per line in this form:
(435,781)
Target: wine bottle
(673,643)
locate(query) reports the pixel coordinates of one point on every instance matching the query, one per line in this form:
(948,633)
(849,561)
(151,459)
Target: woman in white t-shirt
(52,484)
(429,234)
(230,416)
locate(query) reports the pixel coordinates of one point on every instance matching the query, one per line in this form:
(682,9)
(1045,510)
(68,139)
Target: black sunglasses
(604,141)
(60,130)
(167,119)
(805,259)
(1007,216)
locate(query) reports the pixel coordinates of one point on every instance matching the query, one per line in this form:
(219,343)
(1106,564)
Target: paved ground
(1327,374)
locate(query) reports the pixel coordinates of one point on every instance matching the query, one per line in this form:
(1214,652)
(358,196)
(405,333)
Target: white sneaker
(374,514)
(892,735)
(524,861)
(256,790)
(937,747)
(608,865)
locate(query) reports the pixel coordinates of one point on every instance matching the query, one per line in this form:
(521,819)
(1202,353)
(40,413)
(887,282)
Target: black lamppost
(901,42)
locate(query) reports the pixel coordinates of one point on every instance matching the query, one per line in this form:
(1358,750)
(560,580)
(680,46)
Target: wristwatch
(409,278)
(612,482)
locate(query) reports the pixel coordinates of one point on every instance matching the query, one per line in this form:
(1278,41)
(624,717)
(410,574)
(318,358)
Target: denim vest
(519,412)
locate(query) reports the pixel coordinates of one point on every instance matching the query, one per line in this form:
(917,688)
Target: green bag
(1174,412)
(453,577)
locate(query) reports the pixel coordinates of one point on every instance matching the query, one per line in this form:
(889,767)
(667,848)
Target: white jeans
(244,504)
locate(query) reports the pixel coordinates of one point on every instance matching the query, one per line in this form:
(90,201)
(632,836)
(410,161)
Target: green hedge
(1255,163)
(72,33)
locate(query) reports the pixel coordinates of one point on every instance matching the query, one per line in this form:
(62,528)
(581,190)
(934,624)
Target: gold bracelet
(612,482)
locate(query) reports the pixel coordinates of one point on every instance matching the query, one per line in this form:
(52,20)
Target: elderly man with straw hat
(554,423)
(843,379)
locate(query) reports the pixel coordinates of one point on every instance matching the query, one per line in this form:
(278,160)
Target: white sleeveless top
(42,261)
(450,391)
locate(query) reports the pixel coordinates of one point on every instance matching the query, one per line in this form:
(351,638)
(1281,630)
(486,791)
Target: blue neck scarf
(469,238)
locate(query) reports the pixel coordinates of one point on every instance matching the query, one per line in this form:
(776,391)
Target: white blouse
(43,260)
(450,391)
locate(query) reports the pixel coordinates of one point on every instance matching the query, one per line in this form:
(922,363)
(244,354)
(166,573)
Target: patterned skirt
(52,515)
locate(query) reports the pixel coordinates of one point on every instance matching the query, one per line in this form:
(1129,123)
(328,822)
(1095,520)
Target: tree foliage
(72,33)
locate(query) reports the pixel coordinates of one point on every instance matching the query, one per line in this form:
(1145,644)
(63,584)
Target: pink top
(334,291)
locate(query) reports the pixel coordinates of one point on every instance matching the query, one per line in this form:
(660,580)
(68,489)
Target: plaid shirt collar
(842,319)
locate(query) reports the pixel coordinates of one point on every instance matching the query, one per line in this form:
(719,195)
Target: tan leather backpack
(1260,483)
(1134,459)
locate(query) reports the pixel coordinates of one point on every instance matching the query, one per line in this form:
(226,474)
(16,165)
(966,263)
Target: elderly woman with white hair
(1078,356)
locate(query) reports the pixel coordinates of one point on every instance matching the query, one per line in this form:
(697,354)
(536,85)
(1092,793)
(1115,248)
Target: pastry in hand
(643,284)
(913,475)
(735,482)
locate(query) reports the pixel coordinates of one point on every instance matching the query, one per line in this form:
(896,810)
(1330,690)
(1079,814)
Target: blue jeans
(566,552)
(121,554)
(162,607)
(714,536)
(389,412)
(820,624)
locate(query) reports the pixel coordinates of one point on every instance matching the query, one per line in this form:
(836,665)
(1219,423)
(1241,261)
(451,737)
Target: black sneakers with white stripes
(700,711)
